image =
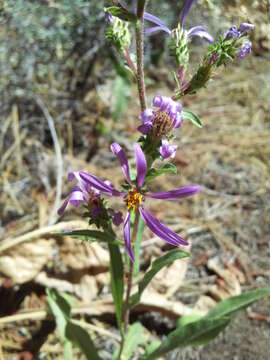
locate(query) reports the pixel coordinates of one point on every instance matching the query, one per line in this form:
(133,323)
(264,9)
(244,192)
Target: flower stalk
(140,55)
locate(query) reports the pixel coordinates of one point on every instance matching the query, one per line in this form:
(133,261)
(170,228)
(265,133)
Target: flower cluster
(83,192)
(133,197)
(156,126)
(160,122)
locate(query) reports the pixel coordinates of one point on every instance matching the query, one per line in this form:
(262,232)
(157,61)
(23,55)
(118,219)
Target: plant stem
(140,55)
(129,286)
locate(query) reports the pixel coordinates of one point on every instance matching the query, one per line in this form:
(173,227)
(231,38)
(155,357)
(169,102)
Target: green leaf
(81,339)
(168,168)
(229,306)
(133,339)
(117,281)
(122,13)
(67,350)
(187,319)
(192,331)
(137,247)
(59,306)
(157,265)
(86,234)
(190,334)
(188,115)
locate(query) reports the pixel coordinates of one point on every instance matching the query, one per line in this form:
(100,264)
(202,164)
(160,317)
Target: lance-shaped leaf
(133,338)
(88,235)
(157,265)
(229,306)
(80,338)
(166,169)
(122,13)
(188,335)
(117,281)
(188,115)
(60,307)
(196,330)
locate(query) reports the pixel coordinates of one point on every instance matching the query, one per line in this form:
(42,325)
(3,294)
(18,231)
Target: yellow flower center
(133,199)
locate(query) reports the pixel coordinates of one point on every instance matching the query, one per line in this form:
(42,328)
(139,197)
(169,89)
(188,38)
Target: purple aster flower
(197,30)
(90,195)
(133,198)
(166,150)
(83,192)
(164,119)
(245,50)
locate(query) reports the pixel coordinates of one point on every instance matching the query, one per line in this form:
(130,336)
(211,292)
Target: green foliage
(157,265)
(133,338)
(89,235)
(60,307)
(196,330)
(120,12)
(188,115)
(179,46)
(165,169)
(117,281)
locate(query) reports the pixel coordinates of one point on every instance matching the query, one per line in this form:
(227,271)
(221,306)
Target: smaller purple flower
(83,192)
(164,119)
(197,30)
(233,32)
(245,27)
(108,18)
(245,50)
(166,150)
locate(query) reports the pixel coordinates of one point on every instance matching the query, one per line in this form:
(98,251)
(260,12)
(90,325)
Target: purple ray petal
(76,175)
(185,11)
(61,210)
(141,164)
(246,27)
(157,21)
(196,28)
(100,184)
(75,198)
(160,229)
(127,237)
(153,29)
(202,34)
(166,150)
(147,116)
(175,194)
(145,128)
(121,155)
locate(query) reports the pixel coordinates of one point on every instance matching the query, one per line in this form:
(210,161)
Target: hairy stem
(129,286)
(140,55)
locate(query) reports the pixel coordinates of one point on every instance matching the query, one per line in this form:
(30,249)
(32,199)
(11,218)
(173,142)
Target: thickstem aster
(134,197)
